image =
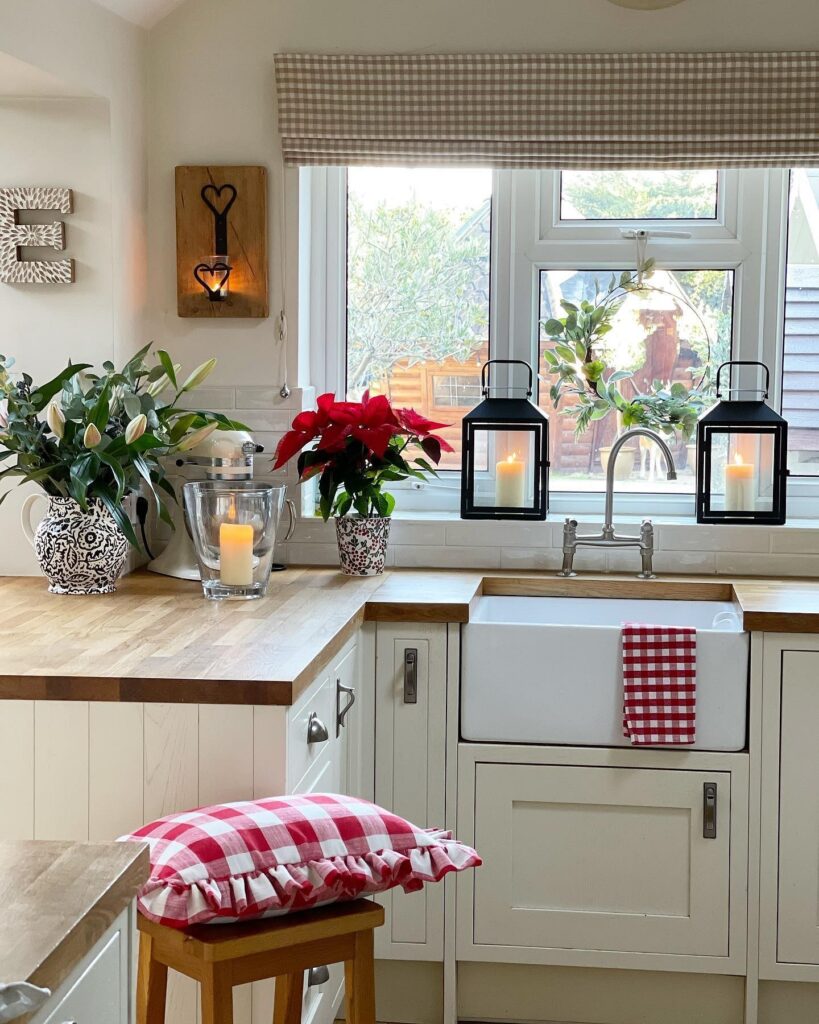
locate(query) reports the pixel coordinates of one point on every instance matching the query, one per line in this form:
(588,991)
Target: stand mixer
(225,455)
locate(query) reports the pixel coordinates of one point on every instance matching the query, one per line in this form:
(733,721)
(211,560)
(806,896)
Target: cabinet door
(597,858)
(410,757)
(798,918)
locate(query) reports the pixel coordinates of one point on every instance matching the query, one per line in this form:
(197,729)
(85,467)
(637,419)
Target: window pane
(638,195)
(418,289)
(667,333)
(800,377)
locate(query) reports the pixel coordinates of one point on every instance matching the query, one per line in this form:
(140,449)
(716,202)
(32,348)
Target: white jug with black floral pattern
(79,552)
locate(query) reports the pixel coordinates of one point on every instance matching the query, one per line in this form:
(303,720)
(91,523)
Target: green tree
(416,287)
(614,195)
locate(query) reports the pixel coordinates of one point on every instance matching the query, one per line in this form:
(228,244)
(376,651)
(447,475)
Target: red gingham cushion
(261,857)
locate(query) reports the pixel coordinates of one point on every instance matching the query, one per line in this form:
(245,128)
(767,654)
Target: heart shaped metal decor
(213,277)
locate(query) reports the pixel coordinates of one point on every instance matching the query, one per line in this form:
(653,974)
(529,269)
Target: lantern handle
(521,362)
(744,362)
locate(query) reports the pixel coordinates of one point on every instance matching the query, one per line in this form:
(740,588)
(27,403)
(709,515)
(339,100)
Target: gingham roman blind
(576,110)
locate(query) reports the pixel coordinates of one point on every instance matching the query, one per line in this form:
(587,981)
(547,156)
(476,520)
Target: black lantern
(505,456)
(742,452)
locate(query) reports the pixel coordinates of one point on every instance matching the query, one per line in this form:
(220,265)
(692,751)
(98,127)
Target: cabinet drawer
(598,858)
(99,995)
(319,700)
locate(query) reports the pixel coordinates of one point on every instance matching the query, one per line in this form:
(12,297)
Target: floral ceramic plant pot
(79,552)
(362,544)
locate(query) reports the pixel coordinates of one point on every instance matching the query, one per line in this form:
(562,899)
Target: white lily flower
(136,428)
(200,374)
(197,437)
(55,418)
(92,437)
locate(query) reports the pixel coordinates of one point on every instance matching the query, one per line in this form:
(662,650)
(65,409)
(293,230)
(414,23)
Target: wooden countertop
(57,899)
(158,640)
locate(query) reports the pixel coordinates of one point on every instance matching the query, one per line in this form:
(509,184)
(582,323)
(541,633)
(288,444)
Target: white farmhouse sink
(549,670)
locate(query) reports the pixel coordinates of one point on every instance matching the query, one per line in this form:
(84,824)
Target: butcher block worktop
(157,639)
(57,899)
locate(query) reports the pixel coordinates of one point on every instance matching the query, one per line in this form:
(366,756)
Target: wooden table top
(158,640)
(57,899)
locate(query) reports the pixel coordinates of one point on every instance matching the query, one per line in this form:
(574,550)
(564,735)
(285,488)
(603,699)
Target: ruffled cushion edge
(285,888)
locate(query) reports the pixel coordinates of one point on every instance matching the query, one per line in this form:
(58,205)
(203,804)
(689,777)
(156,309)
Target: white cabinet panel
(596,858)
(17,769)
(798,918)
(409,780)
(61,770)
(100,994)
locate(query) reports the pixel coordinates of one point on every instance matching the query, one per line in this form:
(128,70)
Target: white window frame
(748,235)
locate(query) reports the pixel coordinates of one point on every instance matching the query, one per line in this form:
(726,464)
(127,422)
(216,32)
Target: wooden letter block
(246,240)
(13,269)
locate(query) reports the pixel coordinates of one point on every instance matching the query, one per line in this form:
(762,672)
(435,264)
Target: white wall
(89,136)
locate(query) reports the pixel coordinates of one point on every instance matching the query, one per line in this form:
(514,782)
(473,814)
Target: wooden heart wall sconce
(221,242)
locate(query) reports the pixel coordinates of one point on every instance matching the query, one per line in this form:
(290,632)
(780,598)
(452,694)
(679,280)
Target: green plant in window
(576,360)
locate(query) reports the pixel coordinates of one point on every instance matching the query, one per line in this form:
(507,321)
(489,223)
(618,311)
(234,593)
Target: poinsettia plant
(357,449)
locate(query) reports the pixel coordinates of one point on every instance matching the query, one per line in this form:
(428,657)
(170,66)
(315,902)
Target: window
(423,255)
(800,361)
(418,289)
(638,195)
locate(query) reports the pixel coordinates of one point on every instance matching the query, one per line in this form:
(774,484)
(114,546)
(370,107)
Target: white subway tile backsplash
(419,557)
(215,398)
(793,541)
(503,534)
(714,538)
(775,565)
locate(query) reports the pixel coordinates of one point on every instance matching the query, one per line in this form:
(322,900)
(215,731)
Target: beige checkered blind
(576,110)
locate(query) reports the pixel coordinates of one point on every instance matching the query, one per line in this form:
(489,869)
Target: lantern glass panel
(508,457)
(742,471)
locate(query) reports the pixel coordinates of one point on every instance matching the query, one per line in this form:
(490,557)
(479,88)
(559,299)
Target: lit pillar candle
(740,485)
(510,482)
(236,554)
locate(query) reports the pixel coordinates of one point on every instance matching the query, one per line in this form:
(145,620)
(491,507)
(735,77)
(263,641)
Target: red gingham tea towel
(659,683)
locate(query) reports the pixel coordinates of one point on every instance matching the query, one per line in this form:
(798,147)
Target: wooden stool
(221,956)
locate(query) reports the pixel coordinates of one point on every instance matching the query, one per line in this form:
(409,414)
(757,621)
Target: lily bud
(92,437)
(4,414)
(136,428)
(55,418)
(197,437)
(199,375)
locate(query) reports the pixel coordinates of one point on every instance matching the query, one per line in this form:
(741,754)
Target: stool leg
(152,984)
(288,999)
(359,981)
(217,994)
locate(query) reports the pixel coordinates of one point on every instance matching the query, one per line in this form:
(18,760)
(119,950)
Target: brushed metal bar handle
(316,730)
(411,675)
(709,810)
(342,712)
(318,976)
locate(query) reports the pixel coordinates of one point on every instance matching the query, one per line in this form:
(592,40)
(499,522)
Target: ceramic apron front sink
(549,670)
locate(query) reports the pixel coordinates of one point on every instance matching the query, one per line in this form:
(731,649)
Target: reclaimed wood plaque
(244,228)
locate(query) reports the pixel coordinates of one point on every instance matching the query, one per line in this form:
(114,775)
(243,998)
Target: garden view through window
(418,284)
(418,289)
(800,368)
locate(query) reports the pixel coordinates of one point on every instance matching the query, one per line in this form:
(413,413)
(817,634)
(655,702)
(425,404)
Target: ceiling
(141,12)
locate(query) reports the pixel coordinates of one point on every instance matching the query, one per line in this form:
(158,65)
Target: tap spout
(671,472)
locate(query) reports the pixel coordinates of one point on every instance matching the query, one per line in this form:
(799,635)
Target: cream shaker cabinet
(789,926)
(410,744)
(93,771)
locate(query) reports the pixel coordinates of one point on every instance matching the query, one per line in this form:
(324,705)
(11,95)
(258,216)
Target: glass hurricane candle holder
(233,526)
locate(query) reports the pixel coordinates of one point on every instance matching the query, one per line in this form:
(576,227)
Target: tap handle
(647,530)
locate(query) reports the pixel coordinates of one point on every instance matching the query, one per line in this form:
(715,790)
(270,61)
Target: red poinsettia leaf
(345,412)
(292,443)
(334,437)
(305,421)
(416,423)
(378,411)
(445,445)
(375,438)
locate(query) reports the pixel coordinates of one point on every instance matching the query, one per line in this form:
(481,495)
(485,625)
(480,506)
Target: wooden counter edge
(87,931)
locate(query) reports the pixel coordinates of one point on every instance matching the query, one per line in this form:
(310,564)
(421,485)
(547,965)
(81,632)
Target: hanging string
(284,391)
